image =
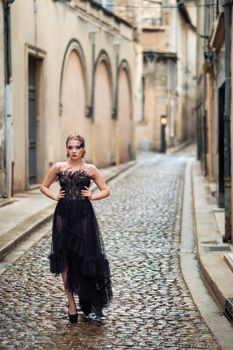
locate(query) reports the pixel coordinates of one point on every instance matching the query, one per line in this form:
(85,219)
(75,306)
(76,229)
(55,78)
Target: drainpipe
(117,43)
(8,116)
(227,122)
(92,109)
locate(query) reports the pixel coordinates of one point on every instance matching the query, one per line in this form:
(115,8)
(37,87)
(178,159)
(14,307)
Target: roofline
(110,13)
(184,13)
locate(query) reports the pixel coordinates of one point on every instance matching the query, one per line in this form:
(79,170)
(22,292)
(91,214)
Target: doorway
(221,102)
(32,122)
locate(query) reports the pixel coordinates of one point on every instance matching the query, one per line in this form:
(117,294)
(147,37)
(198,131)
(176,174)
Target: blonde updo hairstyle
(78,138)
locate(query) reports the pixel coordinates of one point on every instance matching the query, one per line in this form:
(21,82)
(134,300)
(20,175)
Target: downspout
(115,109)
(227,122)
(93,140)
(93,78)
(8,116)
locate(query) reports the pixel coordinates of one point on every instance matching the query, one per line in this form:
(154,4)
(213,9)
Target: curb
(191,271)
(179,147)
(215,272)
(10,239)
(6,201)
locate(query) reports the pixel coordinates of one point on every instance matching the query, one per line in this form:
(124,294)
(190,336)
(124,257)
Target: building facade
(165,32)
(214,102)
(73,69)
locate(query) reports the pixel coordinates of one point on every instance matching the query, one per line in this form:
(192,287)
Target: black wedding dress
(77,245)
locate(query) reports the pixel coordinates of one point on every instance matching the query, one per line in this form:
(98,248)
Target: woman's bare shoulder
(59,165)
(90,166)
(92,170)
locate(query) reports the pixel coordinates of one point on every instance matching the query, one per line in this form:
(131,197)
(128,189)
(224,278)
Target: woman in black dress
(77,251)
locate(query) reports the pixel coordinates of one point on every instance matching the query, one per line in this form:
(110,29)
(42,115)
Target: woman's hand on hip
(86,192)
(61,194)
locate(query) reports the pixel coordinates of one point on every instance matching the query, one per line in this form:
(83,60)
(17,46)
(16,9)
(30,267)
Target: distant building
(166,32)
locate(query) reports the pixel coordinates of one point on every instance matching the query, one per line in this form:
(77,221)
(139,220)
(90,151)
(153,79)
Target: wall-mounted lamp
(210,59)
(209,56)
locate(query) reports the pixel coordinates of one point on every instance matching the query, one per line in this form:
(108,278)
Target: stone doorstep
(217,273)
(219,215)
(228,258)
(6,201)
(213,188)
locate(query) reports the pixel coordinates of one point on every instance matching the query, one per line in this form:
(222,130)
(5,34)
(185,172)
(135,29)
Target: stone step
(17,234)
(228,258)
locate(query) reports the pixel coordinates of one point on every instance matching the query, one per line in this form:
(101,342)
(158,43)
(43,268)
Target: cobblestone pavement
(152,308)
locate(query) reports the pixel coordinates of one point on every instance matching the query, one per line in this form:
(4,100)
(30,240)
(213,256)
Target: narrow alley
(152,307)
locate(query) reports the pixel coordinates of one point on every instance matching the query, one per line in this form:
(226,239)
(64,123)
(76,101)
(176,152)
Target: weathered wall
(59,37)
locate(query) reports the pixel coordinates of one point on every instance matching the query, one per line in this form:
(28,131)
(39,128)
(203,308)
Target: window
(152,12)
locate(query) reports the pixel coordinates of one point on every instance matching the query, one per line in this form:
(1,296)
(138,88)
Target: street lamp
(163,123)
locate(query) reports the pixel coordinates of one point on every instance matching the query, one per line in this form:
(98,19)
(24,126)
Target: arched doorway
(73,95)
(126,146)
(104,147)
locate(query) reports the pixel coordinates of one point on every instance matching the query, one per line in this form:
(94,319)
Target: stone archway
(104,147)
(73,96)
(126,146)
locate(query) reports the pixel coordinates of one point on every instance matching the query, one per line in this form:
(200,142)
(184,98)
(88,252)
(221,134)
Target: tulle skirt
(77,247)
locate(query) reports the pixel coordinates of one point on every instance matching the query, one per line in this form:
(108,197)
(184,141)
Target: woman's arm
(48,180)
(103,189)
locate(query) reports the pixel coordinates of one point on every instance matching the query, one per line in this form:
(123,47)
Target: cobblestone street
(152,307)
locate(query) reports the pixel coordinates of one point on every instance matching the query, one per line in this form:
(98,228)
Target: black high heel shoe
(73,318)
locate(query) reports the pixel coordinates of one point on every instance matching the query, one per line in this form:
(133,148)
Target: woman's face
(75,149)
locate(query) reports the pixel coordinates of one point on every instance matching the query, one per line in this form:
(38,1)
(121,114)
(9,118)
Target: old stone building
(73,65)
(214,104)
(166,33)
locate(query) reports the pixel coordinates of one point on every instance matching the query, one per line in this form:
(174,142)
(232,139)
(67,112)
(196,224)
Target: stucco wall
(103,120)
(73,99)
(49,31)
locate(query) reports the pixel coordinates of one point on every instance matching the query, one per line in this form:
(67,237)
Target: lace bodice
(73,181)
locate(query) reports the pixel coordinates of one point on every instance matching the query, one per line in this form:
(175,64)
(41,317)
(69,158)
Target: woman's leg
(71,302)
